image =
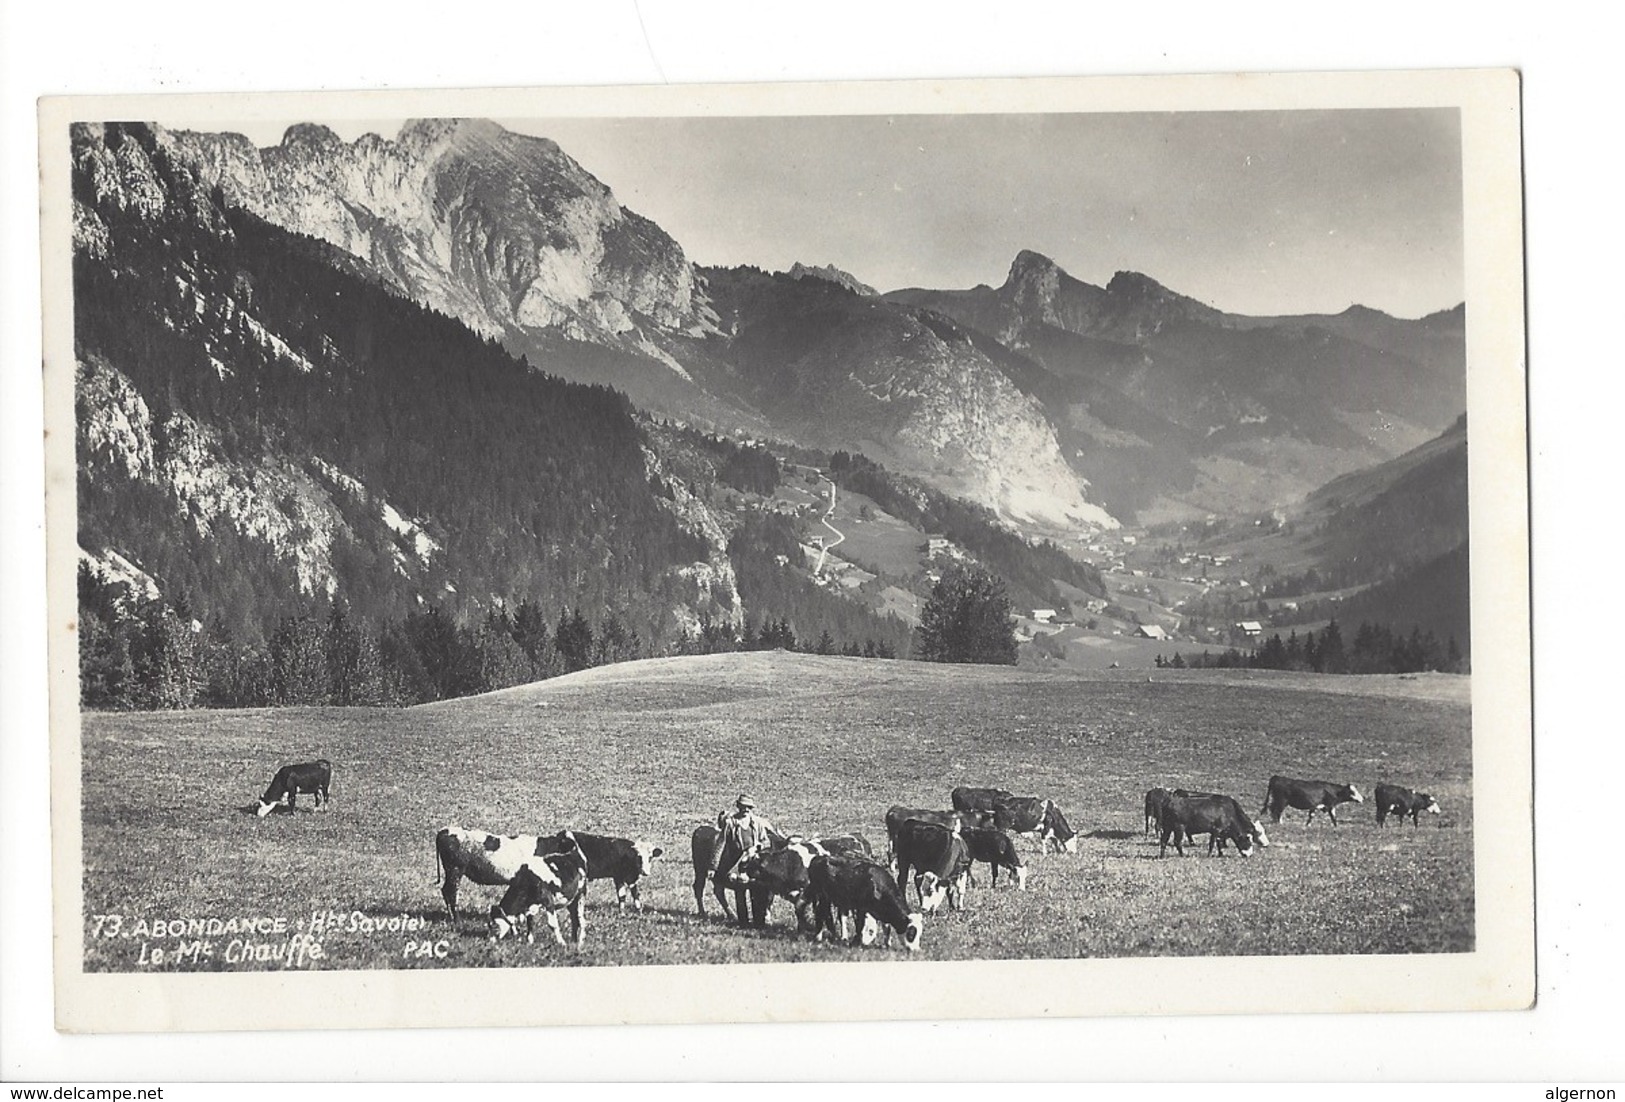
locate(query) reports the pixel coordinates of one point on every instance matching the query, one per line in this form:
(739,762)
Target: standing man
(737,833)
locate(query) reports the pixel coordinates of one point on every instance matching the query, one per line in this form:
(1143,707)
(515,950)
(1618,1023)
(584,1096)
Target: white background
(1571,119)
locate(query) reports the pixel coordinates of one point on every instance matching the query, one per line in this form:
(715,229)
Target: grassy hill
(652,749)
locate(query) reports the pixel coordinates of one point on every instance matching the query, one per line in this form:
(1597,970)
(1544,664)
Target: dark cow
(491,860)
(558,881)
(1219,817)
(1155,801)
(897,815)
(1034,815)
(994,846)
(1394,800)
(1310,796)
(846,845)
(966,798)
(703,842)
(866,890)
(940,862)
(293,780)
(619,859)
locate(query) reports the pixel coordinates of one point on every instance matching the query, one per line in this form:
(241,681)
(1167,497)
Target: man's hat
(744,802)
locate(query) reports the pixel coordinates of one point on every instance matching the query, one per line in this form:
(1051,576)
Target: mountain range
(1057,403)
(422,369)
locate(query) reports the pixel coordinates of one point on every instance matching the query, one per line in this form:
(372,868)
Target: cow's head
(1259,836)
(266,808)
(646,856)
(1433,805)
(912,932)
(748,868)
(1021,878)
(1058,830)
(1354,795)
(527,895)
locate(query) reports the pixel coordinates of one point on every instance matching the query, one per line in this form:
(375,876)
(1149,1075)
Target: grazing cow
(940,861)
(1219,817)
(966,798)
(865,889)
(564,885)
(1394,800)
(703,843)
(491,860)
(619,859)
(782,871)
(1033,815)
(1310,796)
(994,846)
(292,780)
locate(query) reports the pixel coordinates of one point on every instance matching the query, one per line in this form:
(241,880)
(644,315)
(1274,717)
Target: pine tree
(967,619)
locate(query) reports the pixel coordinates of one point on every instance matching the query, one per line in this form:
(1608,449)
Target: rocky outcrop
(503,231)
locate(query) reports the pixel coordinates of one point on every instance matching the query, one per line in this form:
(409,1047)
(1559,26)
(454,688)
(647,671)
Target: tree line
(1376,648)
(149,654)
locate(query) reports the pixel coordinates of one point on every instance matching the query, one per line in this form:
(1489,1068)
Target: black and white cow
(491,860)
(1310,796)
(866,890)
(619,859)
(1221,818)
(555,882)
(1036,816)
(780,870)
(784,870)
(940,862)
(291,781)
(996,848)
(1394,800)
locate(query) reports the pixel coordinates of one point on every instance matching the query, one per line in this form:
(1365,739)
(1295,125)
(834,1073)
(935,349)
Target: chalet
(935,545)
(1151,631)
(1250,627)
(1044,615)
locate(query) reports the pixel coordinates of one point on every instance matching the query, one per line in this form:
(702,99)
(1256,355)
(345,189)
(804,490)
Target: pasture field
(653,749)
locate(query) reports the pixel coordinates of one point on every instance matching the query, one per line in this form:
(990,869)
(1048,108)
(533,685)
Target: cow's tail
(436,859)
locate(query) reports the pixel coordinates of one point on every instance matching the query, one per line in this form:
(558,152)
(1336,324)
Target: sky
(1277,212)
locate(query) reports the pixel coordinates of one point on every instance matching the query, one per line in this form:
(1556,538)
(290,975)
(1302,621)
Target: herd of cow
(834,880)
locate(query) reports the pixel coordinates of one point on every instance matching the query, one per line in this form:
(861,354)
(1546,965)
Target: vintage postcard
(785,553)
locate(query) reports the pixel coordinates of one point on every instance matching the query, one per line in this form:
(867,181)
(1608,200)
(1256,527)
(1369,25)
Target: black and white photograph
(645,550)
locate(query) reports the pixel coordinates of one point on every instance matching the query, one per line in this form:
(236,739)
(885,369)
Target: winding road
(839,535)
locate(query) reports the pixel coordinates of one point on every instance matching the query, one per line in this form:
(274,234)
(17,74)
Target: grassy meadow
(653,749)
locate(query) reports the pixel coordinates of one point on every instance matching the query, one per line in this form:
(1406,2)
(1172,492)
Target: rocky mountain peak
(501,230)
(1142,297)
(1029,266)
